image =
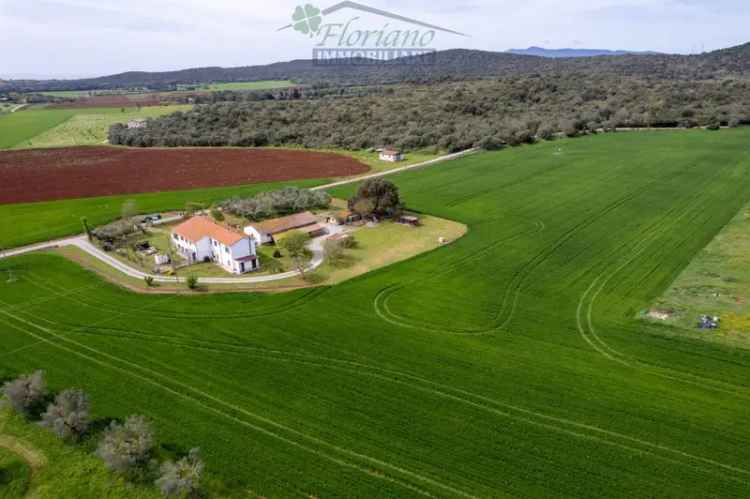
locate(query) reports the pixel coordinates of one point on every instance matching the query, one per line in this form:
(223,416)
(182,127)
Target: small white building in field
(137,123)
(391,155)
(200,239)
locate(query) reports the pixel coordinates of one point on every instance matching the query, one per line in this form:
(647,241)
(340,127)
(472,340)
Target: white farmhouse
(200,239)
(391,155)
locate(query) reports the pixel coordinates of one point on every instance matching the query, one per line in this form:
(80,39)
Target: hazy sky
(70,38)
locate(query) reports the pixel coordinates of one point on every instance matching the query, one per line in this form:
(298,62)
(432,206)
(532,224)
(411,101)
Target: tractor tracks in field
(103,306)
(584,311)
(506,310)
(274,429)
(476,401)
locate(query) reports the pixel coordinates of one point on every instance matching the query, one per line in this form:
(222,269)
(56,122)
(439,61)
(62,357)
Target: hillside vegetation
(510,363)
(450,116)
(457,64)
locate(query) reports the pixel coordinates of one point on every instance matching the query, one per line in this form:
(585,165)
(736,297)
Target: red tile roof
(197,228)
(283,224)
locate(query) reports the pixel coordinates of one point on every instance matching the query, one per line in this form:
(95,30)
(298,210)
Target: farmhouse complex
(200,239)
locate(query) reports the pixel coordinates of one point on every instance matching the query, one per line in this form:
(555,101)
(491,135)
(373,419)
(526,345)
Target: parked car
(151,218)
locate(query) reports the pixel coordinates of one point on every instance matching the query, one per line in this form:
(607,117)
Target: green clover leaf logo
(307,19)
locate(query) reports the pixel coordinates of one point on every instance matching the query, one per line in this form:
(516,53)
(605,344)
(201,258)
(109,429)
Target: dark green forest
(449,116)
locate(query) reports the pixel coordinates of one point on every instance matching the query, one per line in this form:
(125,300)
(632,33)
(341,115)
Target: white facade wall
(391,157)
(225,256)
(260,237)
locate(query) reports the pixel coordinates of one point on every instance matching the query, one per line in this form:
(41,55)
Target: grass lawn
(389,243)
(90,126)
(510,363)
(73,94)
(716,283)
(59,470)
(27,223)
(250,85)
(18,128)
(15,475)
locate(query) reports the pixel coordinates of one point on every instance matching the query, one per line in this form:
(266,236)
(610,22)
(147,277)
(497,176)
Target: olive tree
(127,446)
(26,393)
(68,416)
(295,245)
(181,478)
(334,253)
(381,194)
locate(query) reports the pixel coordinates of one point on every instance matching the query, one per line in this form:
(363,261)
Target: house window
(226,249)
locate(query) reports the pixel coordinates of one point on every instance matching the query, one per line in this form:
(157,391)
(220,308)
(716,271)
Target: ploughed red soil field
(76,172)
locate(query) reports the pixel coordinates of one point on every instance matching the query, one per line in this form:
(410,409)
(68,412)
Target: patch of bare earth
(77,172)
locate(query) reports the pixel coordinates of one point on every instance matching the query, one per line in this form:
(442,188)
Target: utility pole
(11,277)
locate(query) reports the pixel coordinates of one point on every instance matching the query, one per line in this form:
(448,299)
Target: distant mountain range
(566,53)
(448,65)
(33,76)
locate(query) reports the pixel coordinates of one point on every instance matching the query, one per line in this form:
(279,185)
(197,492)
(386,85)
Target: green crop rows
(27,223)
(508,364)
(17,128)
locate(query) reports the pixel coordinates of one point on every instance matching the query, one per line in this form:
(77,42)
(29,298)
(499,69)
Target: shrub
(181,478)
(277,254)
(282,202)
(149,281)
(334,252)
(115,230)
(295,245)
(68,416)
(271,265)
(26,393)
(349,242)
(193,207)
(217,215)
(546,132)
(192,282)
(127,446)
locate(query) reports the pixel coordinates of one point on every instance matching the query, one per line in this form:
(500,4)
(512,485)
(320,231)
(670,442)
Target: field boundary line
(608,351)
(519,277)
(305,296)
(423,164)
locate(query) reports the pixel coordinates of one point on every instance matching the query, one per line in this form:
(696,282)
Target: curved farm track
(77,172)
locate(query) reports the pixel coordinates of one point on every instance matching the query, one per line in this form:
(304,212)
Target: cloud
(108,36)
(83,15)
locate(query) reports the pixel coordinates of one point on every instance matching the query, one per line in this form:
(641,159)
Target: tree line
(127,448)
(452,116)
